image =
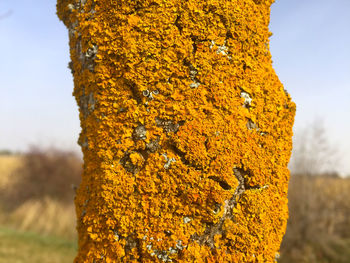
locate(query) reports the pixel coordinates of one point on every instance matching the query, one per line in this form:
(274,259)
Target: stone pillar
(186,131)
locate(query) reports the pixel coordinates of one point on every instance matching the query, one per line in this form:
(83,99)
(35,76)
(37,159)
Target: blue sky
(310,47)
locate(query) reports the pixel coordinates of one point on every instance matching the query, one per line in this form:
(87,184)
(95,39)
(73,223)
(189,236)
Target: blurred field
(29,247)
(37,216)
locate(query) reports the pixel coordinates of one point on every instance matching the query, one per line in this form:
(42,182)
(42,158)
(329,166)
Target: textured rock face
(186,131)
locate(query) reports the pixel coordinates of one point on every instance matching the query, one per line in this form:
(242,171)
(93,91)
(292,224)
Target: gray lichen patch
(76,5)
(84,143)
(179,245)
(162,255)
(167,125)
(149,94)
(165,255)
(217,209)
(70,7)
(91,102)
(87,103)
(140,133)
(251,125)
(116,236)
(153,145)
(168,161)
(264,187)
(221,49)
(187,220)
(247,99)
(87,59)
(149,246)
(91,52)
(193,74)
(83,212)
(145,92)
(131,242)
(194,84)
(193,71)
(72,29)
(172,250)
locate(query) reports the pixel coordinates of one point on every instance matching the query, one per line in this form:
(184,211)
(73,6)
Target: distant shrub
(6,152)
(319,219)
(44,173)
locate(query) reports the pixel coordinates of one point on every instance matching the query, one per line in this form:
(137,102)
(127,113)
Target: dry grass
(8,165)
(45,217)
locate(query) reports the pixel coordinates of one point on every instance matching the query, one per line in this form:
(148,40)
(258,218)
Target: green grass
(28,247)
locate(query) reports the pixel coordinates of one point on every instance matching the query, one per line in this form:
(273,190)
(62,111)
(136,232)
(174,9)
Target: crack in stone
(135,94)
(208,237)
(221,182)
(176,23)
(194,44)
(182,156)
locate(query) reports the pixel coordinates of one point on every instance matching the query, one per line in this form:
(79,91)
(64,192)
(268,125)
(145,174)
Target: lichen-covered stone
(186,131)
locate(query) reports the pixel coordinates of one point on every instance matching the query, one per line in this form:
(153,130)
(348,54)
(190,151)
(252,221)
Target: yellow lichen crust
(186,131)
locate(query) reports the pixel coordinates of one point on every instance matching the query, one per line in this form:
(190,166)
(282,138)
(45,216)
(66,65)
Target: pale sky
(310,47)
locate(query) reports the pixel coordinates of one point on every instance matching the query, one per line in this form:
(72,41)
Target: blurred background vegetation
(37,216)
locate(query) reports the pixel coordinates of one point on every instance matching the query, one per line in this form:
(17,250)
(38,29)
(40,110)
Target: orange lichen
(186,131)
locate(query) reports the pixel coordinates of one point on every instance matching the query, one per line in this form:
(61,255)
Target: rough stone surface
(186,131)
